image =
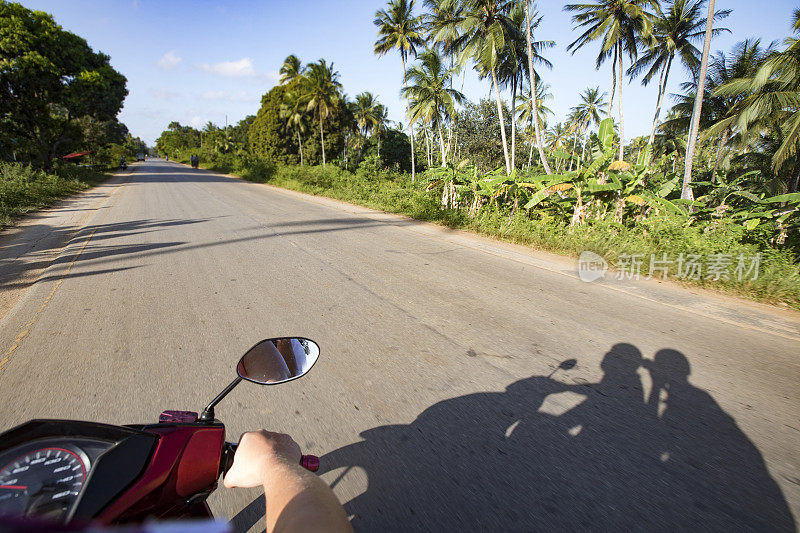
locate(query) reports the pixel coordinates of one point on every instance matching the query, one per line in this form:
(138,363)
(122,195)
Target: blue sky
(195,61)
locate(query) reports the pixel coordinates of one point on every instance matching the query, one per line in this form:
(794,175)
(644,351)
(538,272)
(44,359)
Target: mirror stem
(208,413)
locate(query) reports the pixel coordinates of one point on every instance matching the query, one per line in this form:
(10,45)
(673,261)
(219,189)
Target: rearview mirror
(274,361)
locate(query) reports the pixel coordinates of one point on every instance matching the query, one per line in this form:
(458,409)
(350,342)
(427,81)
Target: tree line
(57,95)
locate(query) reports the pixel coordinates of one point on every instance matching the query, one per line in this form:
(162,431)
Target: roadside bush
(24,189)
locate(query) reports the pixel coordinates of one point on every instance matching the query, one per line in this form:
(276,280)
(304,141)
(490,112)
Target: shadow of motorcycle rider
(596,460)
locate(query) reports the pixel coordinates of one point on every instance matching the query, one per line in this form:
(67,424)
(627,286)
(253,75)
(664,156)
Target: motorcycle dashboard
(60,470)
(44,477)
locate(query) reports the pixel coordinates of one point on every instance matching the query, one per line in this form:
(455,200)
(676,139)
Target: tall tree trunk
(686,191)
(322,140)
(537,128)
(583,145)
(722,142)
(619,104)
(441,144)
(794,185)
(613,82)
(574,144)
(502,120)
(411,127)
(530,154)
(427,145)
(662,88)
(514,126)
(300,145)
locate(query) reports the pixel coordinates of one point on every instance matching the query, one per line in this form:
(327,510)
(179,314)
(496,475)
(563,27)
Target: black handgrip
(226,462)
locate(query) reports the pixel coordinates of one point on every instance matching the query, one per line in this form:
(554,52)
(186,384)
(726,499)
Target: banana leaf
(791,198)
(606,133)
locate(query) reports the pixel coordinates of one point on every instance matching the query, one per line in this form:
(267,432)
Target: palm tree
(399,29)
(486,29)
(620,25)
(291,69)
(533,82)
(686,189)
(365,111)
(381,120)
(293,112)
(590,110)
(321,94)
(556,137)
(674,31)
(526,109)
(442,29)
(513,69)
(770,98)
(717,118)
(427,87)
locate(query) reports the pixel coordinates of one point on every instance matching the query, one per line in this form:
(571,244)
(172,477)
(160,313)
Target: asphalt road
(437,403)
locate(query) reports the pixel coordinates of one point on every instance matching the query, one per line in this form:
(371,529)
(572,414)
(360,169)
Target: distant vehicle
(140,156)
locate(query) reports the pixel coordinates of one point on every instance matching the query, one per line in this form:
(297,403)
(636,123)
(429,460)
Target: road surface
(437,403)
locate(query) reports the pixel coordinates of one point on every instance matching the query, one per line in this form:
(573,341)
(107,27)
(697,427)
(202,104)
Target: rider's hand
(258,454)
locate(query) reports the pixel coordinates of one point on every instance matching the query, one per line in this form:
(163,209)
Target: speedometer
(43,482)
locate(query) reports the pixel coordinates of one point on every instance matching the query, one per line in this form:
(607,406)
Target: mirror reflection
(273,361)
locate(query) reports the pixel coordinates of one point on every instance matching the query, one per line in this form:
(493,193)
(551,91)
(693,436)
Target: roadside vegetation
(712,186)
(24,188)
(59,98)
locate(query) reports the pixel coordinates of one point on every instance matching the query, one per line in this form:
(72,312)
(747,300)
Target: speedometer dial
(43,482)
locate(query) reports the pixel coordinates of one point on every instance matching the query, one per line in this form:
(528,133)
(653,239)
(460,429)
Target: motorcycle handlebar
(309,462)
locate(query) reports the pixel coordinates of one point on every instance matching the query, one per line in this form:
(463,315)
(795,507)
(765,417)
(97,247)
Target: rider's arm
(297,500)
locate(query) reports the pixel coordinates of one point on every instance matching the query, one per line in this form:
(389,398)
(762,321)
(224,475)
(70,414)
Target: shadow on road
(29,255)
(547,455)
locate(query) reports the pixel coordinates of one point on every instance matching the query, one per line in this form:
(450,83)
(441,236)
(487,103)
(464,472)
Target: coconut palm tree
(686,189)
(526,109)
(770,97)
(381,121)
(556,137)
(291,69)
(717,116)
(513,69)
(674,30)
(293,111)
(427,87)
(442,29)
(590,111)
(366,110)
(621,25)
(321,94)
(592,106)
(399,29)
(485,31)
(533,82)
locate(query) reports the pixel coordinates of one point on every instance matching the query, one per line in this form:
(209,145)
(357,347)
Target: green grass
(779,273)
(24,189)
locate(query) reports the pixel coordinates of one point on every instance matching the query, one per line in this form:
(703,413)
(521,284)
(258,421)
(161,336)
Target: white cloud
(196,122)
(169,60)
(242,68)
(240,96)
(164,94)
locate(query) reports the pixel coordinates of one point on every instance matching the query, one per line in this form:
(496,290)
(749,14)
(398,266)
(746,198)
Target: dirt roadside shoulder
(32,244)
